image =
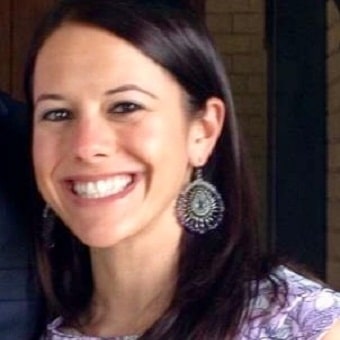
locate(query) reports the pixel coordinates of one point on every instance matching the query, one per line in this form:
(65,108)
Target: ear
(205,131)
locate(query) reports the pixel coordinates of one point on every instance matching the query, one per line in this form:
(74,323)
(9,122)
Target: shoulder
(301,308)
(333,333)
(8,104)
(21,305)
(13,120)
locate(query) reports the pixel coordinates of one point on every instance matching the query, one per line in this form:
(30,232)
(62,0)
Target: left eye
(57,115)
(125,107)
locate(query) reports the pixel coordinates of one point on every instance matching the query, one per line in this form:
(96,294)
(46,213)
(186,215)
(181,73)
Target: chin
(98,242)
(104,237)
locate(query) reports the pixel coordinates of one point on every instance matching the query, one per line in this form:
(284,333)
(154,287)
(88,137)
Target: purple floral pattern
(310,310)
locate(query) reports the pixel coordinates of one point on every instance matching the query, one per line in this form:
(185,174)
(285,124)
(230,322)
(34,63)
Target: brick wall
(238,29)
(333,84)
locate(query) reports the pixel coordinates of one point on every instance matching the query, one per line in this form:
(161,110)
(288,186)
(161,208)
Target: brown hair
(217,271)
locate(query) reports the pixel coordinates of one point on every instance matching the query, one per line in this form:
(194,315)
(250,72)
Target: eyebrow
(48,96)
(130,87)
(123,88)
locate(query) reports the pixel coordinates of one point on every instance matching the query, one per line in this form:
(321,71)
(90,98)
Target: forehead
(76,51)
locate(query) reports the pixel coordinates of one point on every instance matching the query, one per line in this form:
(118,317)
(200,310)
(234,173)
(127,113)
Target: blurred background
(283,60)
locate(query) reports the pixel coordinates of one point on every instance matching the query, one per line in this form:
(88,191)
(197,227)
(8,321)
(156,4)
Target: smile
(102,188)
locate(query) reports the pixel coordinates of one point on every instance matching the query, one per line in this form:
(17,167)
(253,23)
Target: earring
(48,221)
(199,207)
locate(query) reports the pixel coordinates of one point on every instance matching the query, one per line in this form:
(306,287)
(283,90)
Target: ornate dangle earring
(199,207)
(48,221)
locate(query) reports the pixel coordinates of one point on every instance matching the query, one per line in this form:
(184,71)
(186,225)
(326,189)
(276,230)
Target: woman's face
(112,140)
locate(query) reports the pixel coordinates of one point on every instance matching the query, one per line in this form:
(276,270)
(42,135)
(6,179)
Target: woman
(136,151)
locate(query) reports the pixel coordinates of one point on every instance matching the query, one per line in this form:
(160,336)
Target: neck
(133,284)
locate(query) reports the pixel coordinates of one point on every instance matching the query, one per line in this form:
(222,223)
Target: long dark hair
(216,271)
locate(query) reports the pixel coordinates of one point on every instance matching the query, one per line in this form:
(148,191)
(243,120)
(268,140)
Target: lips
(104,187)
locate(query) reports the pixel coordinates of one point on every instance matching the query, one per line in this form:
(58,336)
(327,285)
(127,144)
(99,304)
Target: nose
(92,139)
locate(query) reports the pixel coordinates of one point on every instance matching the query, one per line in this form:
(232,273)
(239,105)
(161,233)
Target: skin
(333,333)
(83,133)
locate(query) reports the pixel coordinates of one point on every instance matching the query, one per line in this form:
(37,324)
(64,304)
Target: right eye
(125,108)
(57,115)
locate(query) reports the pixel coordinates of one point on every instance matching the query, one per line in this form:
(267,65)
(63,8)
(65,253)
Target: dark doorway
(296,32)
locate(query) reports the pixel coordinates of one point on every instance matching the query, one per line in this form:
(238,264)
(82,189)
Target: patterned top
(309,311)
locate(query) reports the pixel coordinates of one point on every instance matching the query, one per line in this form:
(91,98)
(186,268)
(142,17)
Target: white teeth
(102,188)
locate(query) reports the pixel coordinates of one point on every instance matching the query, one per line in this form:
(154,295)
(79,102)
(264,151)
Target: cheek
(159,138)
(44,153)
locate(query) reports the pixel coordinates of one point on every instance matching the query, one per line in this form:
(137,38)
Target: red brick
(232,43)
(248,23)
(333,38)
(333,68)
(333,102)
(333,216)
(332,13)
(334,156)
(257,6)
(333,186)
(227,60)
(239,83)
(249,64)
(250,105)
(255,126)
(333,274)
(257,84)
(220,6)
(257,43)
(333,126)
(219,23)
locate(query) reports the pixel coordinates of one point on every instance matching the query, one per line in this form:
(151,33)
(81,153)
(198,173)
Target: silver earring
(199,207)
(48,222)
